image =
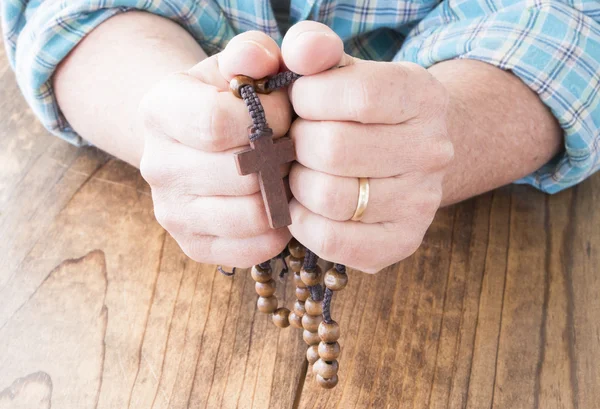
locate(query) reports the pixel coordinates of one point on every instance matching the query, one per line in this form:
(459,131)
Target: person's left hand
(381,120)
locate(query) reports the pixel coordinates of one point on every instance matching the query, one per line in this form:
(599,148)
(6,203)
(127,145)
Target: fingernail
(258,45)
(308,35)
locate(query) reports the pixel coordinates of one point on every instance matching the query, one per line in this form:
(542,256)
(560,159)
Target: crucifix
(265,158)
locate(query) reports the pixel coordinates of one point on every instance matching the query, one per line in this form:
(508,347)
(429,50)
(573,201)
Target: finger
(251,53)
(202,117)
(187,171)
(221,216)
(396,199)
(352,149)
(369,92)
(241,253)
(367,247)
(310,48)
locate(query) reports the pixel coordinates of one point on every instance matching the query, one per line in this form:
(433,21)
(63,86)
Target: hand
(381,120)
(192,124)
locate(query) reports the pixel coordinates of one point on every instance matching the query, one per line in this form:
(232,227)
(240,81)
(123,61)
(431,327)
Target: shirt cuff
(551,47)
(39,35)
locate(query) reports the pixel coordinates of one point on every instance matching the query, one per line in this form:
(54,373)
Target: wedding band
(363,199)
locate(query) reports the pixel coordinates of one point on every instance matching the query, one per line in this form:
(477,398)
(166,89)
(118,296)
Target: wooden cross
(265,157)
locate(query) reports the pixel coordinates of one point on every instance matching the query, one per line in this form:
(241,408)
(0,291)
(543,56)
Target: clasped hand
(381,120)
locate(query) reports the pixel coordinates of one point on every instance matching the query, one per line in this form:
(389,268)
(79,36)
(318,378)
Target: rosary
(314,290)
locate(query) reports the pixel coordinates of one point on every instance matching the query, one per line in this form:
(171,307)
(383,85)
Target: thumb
(252,53)
(310,48)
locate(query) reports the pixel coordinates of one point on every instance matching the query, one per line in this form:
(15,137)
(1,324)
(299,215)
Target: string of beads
(314,290)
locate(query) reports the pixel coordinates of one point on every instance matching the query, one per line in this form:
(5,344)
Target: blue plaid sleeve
(39,34)
(552,46)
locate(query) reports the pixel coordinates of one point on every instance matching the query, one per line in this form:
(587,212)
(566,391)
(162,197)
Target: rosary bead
(261,86)
(296,249)
(302,293)
(313,307)
(295,320)
(281,317)
(298,281)
(327,369)
(299,308)
(259,275)
(312,354)
(334,280)
(267,304)
(295,264)
(327,383)
(311,338)
(329,351)
(265,289)
(311,277)
(329,331)
(311,322)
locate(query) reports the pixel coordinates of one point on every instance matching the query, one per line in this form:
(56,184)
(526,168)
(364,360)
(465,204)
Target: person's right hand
(192,125)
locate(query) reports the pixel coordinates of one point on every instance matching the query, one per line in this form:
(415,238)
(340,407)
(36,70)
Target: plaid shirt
(553,46)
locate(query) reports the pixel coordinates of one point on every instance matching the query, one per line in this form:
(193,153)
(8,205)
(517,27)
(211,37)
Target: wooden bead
(329,351)
(313,307)
(238,81)
(334,280)
(312,354)
(295,320)
(267,304)
(329,331)
(302,293)
(281,317)
(295,264)
(312,276)
(327,383)
(259,275)
(311,338)
(327,369)
(298,281)
(265,289)
(299,308)
(311,322)
(296,249)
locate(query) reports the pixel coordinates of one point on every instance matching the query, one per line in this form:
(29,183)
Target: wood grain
(99,308)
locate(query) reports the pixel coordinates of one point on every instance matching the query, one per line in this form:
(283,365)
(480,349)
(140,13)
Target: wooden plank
(100,308)
(177,333)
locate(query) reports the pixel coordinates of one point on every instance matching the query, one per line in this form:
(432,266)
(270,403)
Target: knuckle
(165,216)
(362,104)
(442,154)
(255,215)
(333,152)
(217,127)
(412,245)
(149,171)
(196,249)
(436,97)
(326,197)
(328,242)
(428,204)
(157,169)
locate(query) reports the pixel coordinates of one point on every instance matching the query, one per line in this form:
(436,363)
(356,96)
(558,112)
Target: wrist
(101,83)
(500,128)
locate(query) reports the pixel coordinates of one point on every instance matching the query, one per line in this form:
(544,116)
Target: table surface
(500,307)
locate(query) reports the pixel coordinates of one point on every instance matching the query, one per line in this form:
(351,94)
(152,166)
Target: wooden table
(99,308)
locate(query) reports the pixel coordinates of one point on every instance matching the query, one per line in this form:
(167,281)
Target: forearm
(99,85)
(500,128)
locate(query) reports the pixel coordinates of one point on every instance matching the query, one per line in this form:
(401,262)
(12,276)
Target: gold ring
(363,199)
